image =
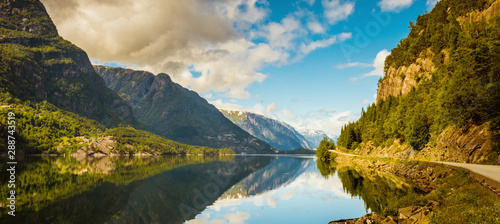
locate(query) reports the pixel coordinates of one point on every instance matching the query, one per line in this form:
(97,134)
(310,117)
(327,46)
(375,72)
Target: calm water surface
(193,189)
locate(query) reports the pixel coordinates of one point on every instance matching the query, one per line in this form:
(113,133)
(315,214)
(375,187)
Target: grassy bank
(461,198)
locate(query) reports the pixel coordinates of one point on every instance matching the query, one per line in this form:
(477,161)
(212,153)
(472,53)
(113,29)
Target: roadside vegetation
(461,198)
(323,150)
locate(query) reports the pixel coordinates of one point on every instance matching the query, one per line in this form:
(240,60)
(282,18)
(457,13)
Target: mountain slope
(171,111)
(314,137)
(278,134)
(54,98)
(38,65)
(440,95)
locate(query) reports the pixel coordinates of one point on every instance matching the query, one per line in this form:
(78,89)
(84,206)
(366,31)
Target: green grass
(463,200)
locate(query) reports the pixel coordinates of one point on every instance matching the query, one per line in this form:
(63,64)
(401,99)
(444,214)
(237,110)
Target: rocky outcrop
(493,10)
(408,215)
(468,145)
(101,146)
(278,134)
(400,81)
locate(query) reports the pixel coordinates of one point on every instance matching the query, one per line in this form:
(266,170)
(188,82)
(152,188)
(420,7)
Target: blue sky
(311,63)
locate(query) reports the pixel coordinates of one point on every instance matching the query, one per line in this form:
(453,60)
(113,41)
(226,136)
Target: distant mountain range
(278,134)
(314,137)
(169,110)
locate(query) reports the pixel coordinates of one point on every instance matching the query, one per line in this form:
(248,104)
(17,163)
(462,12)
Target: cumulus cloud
(176,37)
(203,45)
(395,5)
(315,27)
(336,11)
(237,218)
(283,34)
(329,122)
(378,65)
(271,201)
(331,125)
(271,108)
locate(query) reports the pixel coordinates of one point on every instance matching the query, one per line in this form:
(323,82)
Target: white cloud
(288,114)
(283,34)
(336,11)
(207,46)
(307,48)
(366,101)
(378,65)
(394,5)
(271,202)
(431,3)
(175,37)
(353,64)
(330,123)
(315,27)
(237,218)
(288,195)
(271,108)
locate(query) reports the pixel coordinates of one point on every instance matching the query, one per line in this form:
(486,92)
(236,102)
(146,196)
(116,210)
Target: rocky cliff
(38,65)
(278,134)
(440,95)
(169,110)
(468,145)
(401,80)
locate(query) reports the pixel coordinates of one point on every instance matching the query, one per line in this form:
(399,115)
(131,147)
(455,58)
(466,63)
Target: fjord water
(192,189)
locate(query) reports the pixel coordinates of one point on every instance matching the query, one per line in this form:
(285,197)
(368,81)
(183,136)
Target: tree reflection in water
(381,192)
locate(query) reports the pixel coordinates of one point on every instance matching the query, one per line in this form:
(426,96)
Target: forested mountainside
(39,65)
(440,96)
(278,134)
(54,101)
(174,112)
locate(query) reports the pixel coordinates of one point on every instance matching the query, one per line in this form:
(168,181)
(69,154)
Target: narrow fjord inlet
(250,111)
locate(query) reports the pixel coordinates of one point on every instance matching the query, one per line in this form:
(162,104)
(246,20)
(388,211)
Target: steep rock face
(176,113)
(401,80)
(469,145)
(476,15)
(278,134)
(38,65)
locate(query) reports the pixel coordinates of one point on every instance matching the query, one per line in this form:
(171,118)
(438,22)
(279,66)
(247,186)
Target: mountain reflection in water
(179,189)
